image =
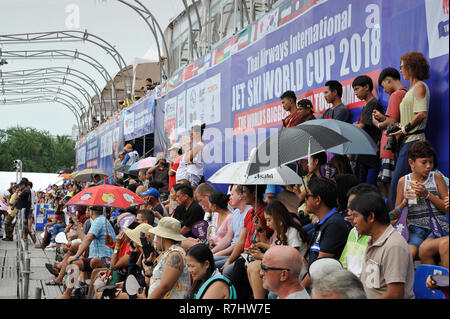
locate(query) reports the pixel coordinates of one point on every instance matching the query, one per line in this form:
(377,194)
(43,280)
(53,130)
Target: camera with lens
(391,144)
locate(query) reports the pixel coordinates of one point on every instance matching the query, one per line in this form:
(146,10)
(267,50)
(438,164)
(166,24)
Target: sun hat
(128,148)
(175,146)
(160,156)
(151,191)
(135,234)
(168,227)
(323,266)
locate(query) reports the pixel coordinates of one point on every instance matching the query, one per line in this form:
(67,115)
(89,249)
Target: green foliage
(38,150)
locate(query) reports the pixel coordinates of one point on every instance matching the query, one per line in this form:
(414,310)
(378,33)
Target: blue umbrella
(359,141)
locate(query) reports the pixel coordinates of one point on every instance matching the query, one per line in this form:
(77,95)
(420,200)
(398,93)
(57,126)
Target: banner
(138,119)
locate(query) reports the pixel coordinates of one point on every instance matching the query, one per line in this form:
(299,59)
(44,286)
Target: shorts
(417,235)
(106,261)
(193,179)
(386,170)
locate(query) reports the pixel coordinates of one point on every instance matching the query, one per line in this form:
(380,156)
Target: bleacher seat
(420,277)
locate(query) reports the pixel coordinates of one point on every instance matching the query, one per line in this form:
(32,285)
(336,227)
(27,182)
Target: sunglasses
(264,268)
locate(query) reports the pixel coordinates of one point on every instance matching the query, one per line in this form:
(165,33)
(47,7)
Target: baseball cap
(175,146)
(151,191)
(306,104)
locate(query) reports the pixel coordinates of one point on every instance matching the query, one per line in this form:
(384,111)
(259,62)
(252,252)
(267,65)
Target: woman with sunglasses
(287,232)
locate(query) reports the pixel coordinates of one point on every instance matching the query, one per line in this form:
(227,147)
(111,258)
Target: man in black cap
(305,110)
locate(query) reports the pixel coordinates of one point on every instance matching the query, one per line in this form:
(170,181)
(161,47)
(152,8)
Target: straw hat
(135,234)
(128,148)
(168,227)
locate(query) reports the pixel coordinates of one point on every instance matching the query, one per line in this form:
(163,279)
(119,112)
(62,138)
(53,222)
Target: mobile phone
(147,248)
(440,280)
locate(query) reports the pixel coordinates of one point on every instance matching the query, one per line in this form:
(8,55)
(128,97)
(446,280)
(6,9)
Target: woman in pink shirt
(219,204)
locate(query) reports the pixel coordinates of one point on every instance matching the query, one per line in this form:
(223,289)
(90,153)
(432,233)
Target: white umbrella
(235,173)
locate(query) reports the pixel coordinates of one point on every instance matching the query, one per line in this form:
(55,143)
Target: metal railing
(23,261)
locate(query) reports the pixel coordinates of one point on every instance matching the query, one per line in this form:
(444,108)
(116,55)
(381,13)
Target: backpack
(207,283)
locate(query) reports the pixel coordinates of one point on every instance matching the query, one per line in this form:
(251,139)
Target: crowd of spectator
(336,236)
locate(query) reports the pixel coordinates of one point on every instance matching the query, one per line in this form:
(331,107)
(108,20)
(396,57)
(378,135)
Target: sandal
(53,283)
(52,269)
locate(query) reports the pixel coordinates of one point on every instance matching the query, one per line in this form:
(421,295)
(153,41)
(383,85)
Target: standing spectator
(149,84)
(175,153)
(340,284)
(9,225)
(281,267)
(181,174)
(131,157)
(413,112)
(160,174)
(24,202)
(363,87)
(193,211)
(330,233)
(194,158)
(305,110)
(288,100)
(333,95)
(428,189)
(389,79)
(388,269)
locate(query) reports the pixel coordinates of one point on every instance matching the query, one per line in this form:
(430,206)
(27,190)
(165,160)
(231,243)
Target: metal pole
(27,274)
(38,293)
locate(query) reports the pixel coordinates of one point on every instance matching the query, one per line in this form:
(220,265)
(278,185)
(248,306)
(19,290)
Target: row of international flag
(284,13)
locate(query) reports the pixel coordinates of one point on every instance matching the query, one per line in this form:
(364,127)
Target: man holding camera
(389,79)
(160,173)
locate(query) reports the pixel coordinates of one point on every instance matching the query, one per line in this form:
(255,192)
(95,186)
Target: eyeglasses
(264,268)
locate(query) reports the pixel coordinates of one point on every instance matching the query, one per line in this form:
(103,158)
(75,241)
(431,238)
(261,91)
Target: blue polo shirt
(330,236)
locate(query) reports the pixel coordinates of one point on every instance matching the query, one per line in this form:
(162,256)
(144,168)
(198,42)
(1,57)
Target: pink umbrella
(143,164)
(3,206)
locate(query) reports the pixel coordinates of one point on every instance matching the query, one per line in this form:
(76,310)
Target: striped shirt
(409,107)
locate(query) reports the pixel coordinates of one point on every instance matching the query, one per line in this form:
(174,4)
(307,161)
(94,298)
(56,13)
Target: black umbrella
(65,171)
(292,144)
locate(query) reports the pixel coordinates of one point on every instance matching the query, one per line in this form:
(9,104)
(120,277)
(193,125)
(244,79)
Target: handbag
(401,225)
(434,224)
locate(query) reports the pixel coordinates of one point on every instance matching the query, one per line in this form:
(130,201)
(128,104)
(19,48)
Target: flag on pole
(243,38)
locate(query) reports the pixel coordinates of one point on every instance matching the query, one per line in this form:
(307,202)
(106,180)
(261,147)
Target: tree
(38,150)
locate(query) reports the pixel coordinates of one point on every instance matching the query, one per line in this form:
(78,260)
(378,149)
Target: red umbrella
(107,196)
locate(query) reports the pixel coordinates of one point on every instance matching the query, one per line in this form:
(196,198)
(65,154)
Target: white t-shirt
(298,295)
(197,167)
(182,170)
(294,240)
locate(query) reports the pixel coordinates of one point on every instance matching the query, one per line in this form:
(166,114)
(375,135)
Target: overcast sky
(111,20)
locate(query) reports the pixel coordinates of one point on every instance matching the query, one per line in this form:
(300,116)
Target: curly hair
(416,64)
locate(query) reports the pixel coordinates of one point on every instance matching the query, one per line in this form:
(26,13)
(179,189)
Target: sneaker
(52,245)
(7,239)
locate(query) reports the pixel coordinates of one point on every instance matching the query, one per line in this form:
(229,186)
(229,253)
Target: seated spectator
(170,277)
(224,248)
(330,232)
(193,211)
(388,269)
(285,232)
(219,204)
(208,282)
(99,252)
(342,164)
(202,193)
(151,196)
(353,255)
(423,192)
(341,284)
(280,269)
